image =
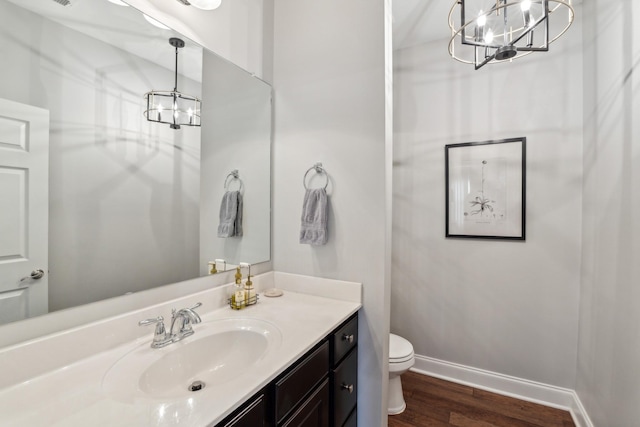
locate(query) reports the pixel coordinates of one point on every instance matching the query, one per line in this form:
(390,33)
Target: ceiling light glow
(206,4)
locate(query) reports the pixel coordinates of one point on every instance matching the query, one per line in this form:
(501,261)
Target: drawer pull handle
(347,387)
(349,338)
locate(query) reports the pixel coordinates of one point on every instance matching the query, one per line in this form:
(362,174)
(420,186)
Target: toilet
(401,358)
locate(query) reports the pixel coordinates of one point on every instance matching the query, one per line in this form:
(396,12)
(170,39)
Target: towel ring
(234,175)
(319,169)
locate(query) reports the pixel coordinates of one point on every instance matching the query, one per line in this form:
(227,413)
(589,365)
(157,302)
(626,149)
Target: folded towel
(230,215)
(314,217)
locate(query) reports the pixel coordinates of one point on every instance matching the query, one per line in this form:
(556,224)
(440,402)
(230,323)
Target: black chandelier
(171,106)
(496,30)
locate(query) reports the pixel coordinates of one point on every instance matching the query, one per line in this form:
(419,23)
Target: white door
(24,210)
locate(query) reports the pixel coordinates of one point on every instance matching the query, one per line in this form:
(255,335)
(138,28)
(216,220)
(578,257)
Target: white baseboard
(531,391)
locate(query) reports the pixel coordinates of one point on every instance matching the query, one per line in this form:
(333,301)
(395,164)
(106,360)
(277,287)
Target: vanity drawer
(344,339)
(293,387)
(345,388)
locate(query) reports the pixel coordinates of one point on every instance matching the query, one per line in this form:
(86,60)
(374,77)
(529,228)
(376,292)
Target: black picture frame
(485,188)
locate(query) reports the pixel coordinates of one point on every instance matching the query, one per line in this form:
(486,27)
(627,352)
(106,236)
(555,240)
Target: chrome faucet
(181,319)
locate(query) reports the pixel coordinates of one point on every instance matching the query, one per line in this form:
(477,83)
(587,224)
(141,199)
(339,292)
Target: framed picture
(485,189)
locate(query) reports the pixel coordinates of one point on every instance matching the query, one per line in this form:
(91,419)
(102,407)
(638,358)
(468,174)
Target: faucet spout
(181,322)
(190,314)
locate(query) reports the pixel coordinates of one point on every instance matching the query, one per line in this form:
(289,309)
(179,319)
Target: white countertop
(72,395)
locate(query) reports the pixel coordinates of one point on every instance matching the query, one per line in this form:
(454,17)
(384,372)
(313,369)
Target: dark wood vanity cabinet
(318,390)
(251,414)
(344,374)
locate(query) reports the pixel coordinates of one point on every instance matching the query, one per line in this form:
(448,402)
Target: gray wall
(608,380)
(329,85)
(505,307)
(124,193)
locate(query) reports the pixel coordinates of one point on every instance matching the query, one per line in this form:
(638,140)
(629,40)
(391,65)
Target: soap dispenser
(250,293)
(213,267)
(237,300)
(238,275)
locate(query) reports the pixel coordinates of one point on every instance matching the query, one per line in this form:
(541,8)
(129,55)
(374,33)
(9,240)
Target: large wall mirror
(131,204)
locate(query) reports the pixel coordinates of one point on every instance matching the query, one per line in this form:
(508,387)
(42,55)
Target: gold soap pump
(249,293)
(213,266)
(238,276)
(239,295)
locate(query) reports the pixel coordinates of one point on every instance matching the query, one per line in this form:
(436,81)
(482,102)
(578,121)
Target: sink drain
(196,386)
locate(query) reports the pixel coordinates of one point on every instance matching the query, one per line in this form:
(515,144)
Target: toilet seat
(400,350)
(402,360)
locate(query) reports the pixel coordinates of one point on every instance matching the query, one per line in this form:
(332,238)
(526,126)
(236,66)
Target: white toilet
(401,358)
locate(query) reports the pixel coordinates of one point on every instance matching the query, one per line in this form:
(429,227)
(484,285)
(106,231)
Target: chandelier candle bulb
(525,6)
(482,19)
(489,37)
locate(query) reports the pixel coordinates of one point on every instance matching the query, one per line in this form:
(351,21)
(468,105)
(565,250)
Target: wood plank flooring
(435,403)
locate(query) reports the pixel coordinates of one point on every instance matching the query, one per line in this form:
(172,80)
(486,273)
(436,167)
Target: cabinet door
(345,388)
(253,415)
(291,389)
(314,412)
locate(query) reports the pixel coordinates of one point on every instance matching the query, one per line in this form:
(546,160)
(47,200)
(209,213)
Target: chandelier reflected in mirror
(171,106)
(488,31)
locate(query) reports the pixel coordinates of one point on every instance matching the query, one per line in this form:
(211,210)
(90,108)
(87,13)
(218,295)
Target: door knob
(35,275)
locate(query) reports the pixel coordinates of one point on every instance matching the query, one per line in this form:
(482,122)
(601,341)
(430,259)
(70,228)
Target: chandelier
(171,106)
(496,30)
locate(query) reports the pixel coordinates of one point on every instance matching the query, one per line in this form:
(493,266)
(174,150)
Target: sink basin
(218,353)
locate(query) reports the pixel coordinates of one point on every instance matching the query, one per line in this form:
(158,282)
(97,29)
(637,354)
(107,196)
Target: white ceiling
(420,21)
(414,22)
(124,27)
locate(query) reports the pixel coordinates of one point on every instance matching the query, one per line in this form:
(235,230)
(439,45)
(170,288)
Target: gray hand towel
(314,217)
(230,215)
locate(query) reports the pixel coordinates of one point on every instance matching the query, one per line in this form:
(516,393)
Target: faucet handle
(160,334)
(158,321)
(198,304)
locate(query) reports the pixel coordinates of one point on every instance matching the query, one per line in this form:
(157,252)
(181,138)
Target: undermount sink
(220,351)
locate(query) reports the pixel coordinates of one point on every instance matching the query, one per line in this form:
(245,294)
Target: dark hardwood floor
(434,402)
